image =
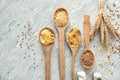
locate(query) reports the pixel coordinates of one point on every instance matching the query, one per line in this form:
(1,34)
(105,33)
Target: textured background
(21,55)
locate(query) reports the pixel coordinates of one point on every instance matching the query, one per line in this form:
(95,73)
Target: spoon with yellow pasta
(74,39)
(47,39)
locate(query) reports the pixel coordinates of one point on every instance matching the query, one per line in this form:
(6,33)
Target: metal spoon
(61,44)
(47,50)
(74,50)
(87,38)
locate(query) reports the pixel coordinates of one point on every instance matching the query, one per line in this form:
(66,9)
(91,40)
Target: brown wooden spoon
(74,50)
(61,30)
(47,49)
(87,57)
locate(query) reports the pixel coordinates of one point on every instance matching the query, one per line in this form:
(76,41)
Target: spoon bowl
(79,44)
(40,38)
(54,18)
(91,57)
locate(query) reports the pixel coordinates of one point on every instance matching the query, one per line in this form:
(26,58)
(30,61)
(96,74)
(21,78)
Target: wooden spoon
(87,38)
(61,44)
(74,50)
(47,50)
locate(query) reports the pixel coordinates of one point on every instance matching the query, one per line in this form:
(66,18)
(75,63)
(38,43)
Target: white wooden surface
(18,63)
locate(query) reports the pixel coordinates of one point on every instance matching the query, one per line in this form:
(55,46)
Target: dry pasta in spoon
(47,37)
(74,39)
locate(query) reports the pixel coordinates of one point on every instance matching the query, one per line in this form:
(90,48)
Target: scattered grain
(28,55)
(24,57)
(37,66)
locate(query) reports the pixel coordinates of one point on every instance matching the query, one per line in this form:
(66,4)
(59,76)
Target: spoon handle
(73,67)
(86,25)
(62,55)
(47,64)
(73,62)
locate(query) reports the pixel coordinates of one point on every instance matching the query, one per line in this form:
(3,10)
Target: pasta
(74,38)
(47,37)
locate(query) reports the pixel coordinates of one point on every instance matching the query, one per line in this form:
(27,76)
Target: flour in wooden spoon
(61,18)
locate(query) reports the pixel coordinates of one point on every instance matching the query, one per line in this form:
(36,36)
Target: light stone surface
(29,64)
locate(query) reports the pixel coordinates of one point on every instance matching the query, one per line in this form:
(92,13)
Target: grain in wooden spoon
(87,57)
(74,39)
(47,39)
(61,22)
